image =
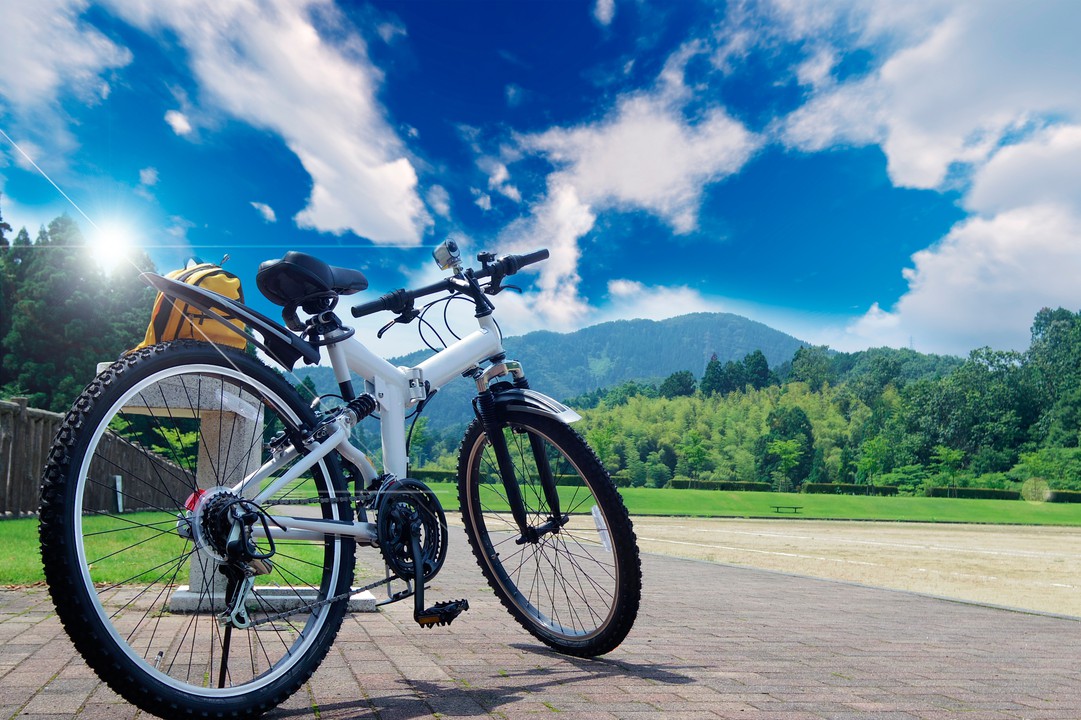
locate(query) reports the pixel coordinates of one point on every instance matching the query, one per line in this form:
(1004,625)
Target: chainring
(407,506)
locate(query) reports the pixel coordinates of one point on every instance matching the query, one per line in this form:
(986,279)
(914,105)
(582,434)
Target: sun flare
(112,243)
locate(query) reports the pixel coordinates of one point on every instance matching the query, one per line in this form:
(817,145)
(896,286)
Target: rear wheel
(136,514)
(577,589)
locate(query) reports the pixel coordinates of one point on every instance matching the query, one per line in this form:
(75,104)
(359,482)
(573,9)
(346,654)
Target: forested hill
(565,365)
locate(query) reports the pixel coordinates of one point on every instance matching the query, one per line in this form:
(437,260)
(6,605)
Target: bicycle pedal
(442,613)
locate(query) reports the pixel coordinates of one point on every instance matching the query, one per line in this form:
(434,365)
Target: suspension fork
(487,413)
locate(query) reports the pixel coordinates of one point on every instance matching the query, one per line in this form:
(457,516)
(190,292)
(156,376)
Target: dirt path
(1035,568)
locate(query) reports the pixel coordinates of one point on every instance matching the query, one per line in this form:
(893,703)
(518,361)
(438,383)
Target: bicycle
(213,576)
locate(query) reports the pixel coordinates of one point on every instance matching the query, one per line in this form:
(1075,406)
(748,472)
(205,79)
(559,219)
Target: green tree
(812,366)
(711,380)
(788,453)
(307,390)
(657,471)
(786,424)
(7,280)
(693,456)
(67,315)
(420,440)
(874,459)
(678,384)
(4,228)
(756,370)
(637,472)
(602,440)
(947,462)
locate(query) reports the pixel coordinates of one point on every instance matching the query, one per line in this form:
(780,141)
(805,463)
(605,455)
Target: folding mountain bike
(199,519)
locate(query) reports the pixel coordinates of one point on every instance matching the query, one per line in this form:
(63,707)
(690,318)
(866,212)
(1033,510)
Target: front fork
(487,413)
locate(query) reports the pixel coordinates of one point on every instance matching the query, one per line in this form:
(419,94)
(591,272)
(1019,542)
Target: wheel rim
(566,583)
(133,563)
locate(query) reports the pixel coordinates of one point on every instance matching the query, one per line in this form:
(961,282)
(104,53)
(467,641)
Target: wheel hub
(221,525)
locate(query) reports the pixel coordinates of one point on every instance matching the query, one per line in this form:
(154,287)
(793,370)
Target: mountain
(563,365)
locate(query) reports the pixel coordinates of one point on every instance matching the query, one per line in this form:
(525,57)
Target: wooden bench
(794,509)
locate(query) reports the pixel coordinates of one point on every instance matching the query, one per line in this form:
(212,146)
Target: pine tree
(67,315)
(7,281)
(756,370)
(4,228)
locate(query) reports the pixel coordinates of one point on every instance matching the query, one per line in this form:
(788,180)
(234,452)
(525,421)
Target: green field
(715,503)
(20,561)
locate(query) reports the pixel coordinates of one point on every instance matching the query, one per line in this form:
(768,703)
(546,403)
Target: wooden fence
(26,434)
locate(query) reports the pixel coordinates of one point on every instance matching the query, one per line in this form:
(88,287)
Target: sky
(854,173)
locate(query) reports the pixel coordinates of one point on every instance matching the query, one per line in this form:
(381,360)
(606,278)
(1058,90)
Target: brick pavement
(712,641)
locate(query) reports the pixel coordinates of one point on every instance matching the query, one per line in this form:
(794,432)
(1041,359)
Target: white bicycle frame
(396,390)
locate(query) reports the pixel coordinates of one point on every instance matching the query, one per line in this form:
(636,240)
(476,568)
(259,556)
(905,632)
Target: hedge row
(975,493)
(848,489)
(719,485)
(1056,496)
(434,475)
(450,476)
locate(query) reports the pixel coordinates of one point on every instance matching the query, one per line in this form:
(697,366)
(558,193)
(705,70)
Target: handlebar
(401,300)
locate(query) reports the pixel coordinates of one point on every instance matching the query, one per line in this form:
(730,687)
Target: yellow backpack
(174,319)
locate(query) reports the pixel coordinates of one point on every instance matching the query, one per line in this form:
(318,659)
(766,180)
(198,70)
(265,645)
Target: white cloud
(647,156)
(179,122)
(48,49)
(983,284)
(604,11)
(816,70)
(439,200)
(266,211)
(983,89)
(1046,168)
(483,200)
(49,54)
(148,178)
(515,95)
(268,65)
(555,224)
(632,299)
(966,74)
(391,31)
(498,178)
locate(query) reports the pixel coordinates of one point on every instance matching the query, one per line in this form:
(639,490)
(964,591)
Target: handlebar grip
(390,301)
(520,261)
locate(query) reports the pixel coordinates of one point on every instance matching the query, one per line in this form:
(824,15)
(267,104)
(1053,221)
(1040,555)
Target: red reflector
(193,499)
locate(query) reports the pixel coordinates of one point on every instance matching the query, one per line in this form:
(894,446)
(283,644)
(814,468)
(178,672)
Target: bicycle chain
(341,596)
(321,500)
(321,603)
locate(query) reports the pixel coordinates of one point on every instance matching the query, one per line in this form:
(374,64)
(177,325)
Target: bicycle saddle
(299,276)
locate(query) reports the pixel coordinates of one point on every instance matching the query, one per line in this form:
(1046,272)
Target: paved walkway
(712,641)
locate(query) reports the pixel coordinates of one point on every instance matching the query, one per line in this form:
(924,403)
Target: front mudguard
(530,401)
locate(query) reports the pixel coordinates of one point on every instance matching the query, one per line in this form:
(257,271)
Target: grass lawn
(20,561)
(714,503)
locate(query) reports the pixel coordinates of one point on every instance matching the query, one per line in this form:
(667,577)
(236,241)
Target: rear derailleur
(223,524)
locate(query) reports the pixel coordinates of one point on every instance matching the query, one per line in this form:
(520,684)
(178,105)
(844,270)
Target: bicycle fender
(531,401)
(277,342)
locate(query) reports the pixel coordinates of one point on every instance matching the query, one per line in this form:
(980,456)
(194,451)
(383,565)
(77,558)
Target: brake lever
(495,289)
(405,318)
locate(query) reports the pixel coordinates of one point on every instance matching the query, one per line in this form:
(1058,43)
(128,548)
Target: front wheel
(577,588)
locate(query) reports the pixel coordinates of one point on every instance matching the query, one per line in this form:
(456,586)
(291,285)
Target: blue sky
(854,173)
